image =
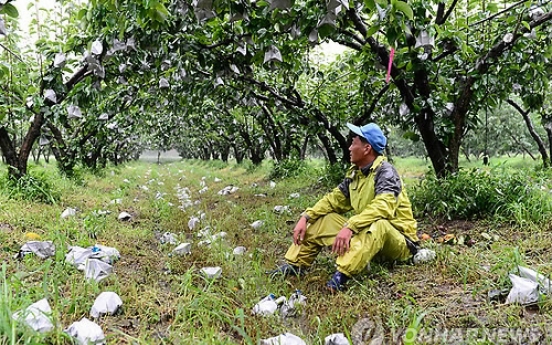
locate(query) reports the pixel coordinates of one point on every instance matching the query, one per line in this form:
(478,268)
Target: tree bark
(330,152)
(303,152)
(536,137)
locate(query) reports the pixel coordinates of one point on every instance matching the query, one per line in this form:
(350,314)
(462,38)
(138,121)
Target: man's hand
(341,242)
(299,231)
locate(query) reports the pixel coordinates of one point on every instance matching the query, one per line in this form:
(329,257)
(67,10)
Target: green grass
(167,301)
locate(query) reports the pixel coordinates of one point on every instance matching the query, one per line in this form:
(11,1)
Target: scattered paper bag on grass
(193,222)
(544,283)
(281,209)
(424,255)
(211,272)
(228,190)
(289,307)
(97,269)
(284,339)
(78,255)
(336,339)
(257,224)
(106,303)
(68,212)
(183,248)
(42,249)
(86,332)
(168,237)
(36,316)
(524,291)
(240,250)
(266,306)
(124,216)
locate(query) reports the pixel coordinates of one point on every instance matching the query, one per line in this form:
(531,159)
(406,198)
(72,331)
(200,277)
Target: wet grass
(167,300)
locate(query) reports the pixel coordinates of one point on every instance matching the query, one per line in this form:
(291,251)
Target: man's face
(359,151)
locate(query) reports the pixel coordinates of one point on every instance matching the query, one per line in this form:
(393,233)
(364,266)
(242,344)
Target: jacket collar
(370,167)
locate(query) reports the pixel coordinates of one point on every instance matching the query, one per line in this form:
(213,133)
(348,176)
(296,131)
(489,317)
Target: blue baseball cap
(372,133)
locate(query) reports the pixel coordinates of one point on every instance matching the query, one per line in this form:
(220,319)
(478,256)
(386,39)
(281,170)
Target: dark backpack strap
(412,246)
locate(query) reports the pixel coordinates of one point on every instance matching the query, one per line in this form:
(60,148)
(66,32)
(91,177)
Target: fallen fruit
(425,237)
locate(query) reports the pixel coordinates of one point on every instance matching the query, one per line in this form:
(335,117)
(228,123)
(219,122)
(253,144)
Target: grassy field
(166,300)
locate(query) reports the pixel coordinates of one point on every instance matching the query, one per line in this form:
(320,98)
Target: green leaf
(404,8)
(81,14)
(10,10)
(370,4)
(492,7)
(325,31)
(373,29)
(4,70)
(411,135)
(527,26)
(162,11)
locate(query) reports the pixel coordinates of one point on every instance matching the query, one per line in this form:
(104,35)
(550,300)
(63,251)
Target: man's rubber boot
(337,282)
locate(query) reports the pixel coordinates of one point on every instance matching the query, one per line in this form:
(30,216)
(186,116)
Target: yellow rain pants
(380,239)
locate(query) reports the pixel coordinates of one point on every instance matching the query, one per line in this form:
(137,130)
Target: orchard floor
(166,300)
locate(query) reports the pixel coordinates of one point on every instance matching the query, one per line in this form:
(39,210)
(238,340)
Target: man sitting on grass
(382,225)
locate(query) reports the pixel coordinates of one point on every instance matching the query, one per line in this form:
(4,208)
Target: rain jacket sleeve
(388,187)
(335,201)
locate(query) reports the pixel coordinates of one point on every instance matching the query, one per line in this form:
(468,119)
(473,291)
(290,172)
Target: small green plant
(287,168)
(33,187)
(333,174)
(7,325)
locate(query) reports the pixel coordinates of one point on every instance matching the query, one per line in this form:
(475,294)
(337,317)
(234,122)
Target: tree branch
(516,106)
(500,12)
(445,54)
(77,77)
(353,36)
(357,21)
(360,120)
(536,137)
(265,87)
(12,53)
(222,43)
(442,20)
(482,64)
(351,45)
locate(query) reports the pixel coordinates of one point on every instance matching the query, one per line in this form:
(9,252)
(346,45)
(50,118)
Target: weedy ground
(167,300)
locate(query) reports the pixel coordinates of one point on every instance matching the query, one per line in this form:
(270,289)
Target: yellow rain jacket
(383,223)
(374,192)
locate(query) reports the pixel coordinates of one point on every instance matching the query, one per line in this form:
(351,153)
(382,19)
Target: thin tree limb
(11,52)
(442,20)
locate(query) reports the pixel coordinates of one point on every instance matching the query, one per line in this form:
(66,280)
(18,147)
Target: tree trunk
(532,131)
(46,155)
(238,154)
(303,152)
(10,155)
(256,157)
(548,130)
(330,152)
(224,153)
(271,132)
(65,161)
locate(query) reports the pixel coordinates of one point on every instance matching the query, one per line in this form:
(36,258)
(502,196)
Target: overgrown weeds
(287,169)
(35,186)
(518,196)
